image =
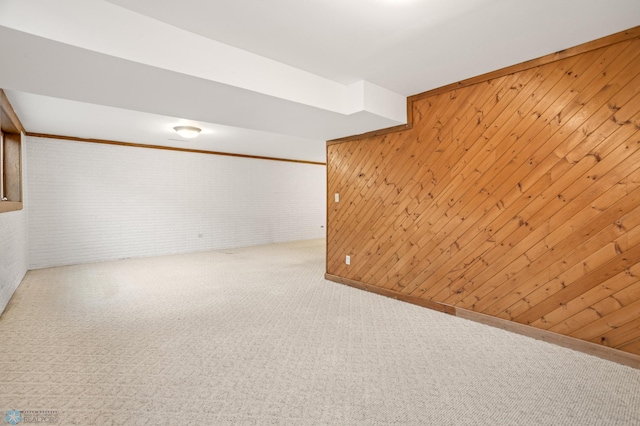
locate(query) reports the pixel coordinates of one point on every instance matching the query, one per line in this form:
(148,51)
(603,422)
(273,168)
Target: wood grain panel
(12,168)
(10,121)
(515,196)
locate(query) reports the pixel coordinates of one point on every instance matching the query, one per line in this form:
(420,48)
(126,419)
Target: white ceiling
(273,78)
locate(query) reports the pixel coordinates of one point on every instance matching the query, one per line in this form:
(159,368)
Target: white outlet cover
(347,260)
(337,197)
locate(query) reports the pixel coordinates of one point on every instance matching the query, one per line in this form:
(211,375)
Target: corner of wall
(14,252)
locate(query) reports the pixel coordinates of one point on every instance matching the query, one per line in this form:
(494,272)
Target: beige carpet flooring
(256,336)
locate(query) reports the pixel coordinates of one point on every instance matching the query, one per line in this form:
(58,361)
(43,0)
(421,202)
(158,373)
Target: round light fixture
(188,132)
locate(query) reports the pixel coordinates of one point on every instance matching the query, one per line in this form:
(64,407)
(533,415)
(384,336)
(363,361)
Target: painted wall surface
(13,247)
(93,202)
(516,197)
(13,253)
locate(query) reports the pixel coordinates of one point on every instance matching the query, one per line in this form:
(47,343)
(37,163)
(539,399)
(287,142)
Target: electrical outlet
(337,197)
(347,260)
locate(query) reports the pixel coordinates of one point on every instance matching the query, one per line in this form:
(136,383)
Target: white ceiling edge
(406,46)
(289,72)
(328,37)
(51,116)
(106,28)
(50,68)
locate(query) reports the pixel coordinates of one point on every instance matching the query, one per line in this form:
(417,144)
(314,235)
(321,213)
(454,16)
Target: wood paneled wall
(517,196)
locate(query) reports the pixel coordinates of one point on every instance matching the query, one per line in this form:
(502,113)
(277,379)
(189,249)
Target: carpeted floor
(256,336)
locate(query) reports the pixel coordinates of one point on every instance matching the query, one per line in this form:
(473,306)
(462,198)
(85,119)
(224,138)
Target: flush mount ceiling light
(188,132)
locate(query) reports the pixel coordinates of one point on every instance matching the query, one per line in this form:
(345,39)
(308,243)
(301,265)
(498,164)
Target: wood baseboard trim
(604,352)
(168,148)
(393,294)
(590,348)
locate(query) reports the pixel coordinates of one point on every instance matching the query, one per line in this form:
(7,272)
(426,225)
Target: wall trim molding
(12,127)
(8,110)
(168,148)
(440,307)
(604,352)
(10,206)
(629,34)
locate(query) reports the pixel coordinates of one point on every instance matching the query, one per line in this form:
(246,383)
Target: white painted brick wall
(92,202)
(13,253)
(13,248)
